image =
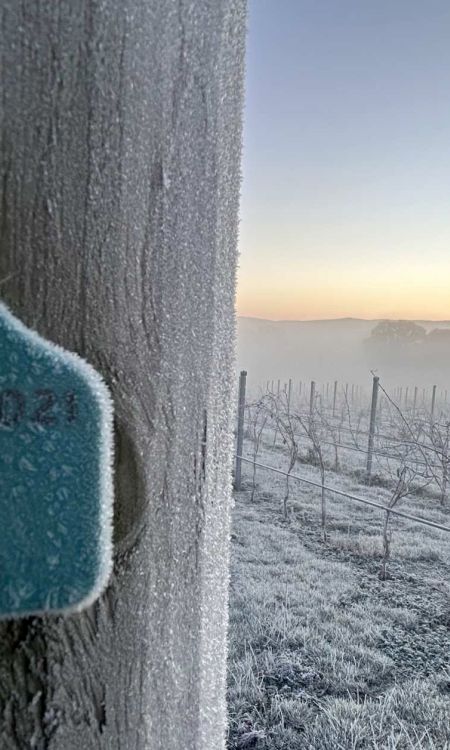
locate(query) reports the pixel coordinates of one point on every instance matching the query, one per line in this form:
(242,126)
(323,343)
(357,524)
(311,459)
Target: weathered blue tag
(55,476)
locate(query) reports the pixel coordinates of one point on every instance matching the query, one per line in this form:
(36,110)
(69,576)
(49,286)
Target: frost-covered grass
(322,653)
(351,525)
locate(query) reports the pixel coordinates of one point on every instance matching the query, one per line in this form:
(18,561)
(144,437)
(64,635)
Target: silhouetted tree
(397,332)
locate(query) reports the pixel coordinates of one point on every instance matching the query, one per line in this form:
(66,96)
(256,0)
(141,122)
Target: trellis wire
(378,436)
(342,493)
(358,449)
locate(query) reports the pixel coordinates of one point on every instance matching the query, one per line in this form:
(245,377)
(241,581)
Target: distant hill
(326,350)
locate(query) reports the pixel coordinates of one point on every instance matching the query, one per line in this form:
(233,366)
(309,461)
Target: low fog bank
(402,353)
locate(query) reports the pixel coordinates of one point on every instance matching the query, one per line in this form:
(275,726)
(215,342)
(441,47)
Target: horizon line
(345,317)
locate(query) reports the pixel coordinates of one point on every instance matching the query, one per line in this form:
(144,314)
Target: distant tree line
(406,333)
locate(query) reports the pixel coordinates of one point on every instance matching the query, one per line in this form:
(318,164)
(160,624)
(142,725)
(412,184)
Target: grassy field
(323,654)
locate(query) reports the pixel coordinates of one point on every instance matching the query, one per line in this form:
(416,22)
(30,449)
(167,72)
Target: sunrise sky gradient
(346,193)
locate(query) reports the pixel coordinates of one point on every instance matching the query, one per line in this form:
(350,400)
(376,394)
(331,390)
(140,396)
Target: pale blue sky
(346,193)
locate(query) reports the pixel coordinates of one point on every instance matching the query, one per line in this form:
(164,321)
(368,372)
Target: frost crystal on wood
(120,154)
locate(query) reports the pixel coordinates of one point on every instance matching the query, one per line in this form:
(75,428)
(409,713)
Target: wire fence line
(356,398)
(414,445)
(342,493)
(381,436)
(357,449)
(274,412)
(377,435)
(331,394)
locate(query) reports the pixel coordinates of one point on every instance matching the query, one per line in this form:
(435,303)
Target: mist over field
(345,350)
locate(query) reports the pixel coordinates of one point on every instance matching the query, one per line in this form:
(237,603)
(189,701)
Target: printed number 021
(46,407)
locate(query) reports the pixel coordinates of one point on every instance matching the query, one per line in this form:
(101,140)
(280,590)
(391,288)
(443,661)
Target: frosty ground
(324,655)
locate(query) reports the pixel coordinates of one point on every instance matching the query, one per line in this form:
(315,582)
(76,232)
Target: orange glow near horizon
(279,310)
(303,270)
(415,293)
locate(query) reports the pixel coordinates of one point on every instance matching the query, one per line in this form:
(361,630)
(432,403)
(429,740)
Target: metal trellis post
(373,416)
(334,397)
(312,398)
(240,430)
(433,402)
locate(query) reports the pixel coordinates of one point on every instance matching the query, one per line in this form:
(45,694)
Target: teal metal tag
(55,476)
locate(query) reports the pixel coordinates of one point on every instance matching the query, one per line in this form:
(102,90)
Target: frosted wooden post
(312,398)
(415,399)
(240,430)
(278,387)
(120,148)
(335,397)
(433,401)
(373,416)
